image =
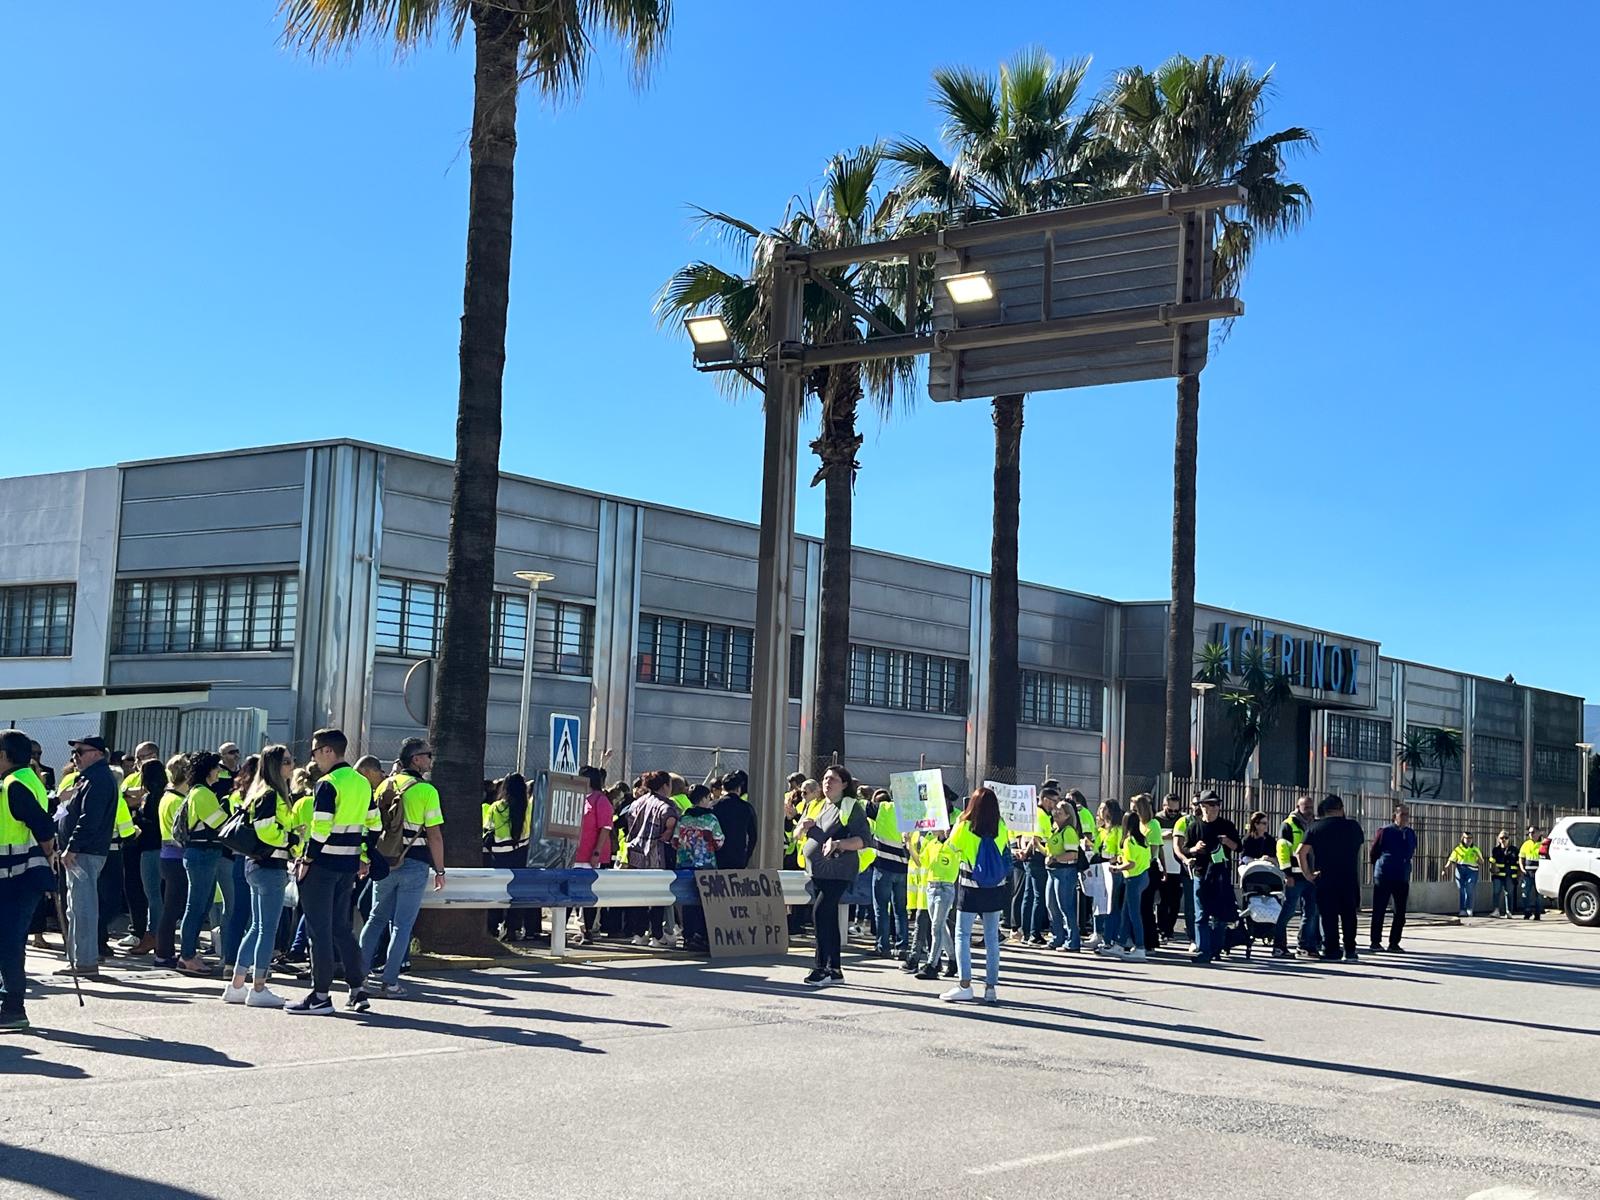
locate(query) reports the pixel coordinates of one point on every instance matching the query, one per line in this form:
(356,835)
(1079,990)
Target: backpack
(989,868)
(180,823)
(392,812)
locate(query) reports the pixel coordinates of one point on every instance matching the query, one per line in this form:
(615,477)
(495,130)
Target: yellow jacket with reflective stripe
(20,851)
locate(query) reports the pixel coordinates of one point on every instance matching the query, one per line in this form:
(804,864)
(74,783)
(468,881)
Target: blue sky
(212,242)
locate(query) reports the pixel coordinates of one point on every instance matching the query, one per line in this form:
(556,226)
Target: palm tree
(1018,142)
(852,208)
(1196,123)
(1444,752)
(1254,704)
(514,42)
(1411,756)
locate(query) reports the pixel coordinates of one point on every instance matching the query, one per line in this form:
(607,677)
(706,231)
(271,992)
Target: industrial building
(268,591)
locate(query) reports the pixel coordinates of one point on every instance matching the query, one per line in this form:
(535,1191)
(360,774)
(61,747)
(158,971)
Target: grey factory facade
(276,589)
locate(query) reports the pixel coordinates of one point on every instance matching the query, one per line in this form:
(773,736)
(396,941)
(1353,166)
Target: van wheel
(1583,904)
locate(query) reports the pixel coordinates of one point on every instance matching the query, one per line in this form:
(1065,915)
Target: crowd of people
(320,869)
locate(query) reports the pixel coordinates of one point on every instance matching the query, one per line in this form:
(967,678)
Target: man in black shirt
(1330,856)
(1206,856)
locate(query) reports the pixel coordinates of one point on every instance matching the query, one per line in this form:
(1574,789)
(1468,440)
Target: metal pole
(769,691)
(533,579)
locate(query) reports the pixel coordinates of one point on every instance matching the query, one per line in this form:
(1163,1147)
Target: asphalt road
(1468,1067)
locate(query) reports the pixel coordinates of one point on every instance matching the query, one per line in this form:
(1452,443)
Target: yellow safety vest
(19,849)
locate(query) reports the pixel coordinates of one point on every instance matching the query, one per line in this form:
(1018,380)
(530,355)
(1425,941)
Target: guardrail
(584,887)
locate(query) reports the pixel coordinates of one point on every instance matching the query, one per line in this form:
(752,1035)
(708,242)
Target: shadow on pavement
(499,1034)
(16,1059)
(68,1177)
(159,1049)
(1077,1025)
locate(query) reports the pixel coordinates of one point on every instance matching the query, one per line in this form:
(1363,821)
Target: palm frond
(324,27)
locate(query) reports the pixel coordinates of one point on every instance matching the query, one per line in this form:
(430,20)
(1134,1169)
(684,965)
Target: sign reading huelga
(1304,662)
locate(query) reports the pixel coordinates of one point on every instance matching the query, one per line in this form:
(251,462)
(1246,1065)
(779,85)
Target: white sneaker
(660,943)
(957,993)
(1137,954)
(1108,950)
(640,940)
(989,996)
(265,998)
(1094,942)
(233,995)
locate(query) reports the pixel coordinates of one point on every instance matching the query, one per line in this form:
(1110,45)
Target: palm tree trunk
(1005,682)
(836,447)
(1180,613)
(461,696)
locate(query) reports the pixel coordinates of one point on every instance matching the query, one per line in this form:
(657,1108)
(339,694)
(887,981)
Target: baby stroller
(1263,886)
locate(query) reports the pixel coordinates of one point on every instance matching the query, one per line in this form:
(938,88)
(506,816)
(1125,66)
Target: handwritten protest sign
(919,800)
(745,913)
(1018,803)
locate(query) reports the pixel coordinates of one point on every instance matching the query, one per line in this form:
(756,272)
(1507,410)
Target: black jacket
(90,814)
(738,821)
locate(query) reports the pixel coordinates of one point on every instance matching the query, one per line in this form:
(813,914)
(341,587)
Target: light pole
(533,579)
(1588,753)
(1200,730)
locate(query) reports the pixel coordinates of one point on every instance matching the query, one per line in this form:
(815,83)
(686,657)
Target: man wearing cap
(397,897)
(1206,855)
(228,752)
(85,823)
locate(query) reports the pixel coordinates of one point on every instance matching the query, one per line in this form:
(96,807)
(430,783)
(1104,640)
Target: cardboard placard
(745,913)
(1018,804)
(919,800)
(564,797)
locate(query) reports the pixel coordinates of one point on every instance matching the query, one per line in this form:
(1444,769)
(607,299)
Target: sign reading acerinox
(1312,662)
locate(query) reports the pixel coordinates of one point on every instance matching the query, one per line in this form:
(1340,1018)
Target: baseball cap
(93,742)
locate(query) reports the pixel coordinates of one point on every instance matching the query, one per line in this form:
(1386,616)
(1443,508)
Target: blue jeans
(1208,936)
(1061,899)
(83,909)
(267,886)
(236,903)
(991,945)
(1035,902)
(1111,929)
(1532,902)
(200,865)
(941,899)
(1300,890)
(18,899)
(1502,896)
(1466,884)
(396,900)
(1130,926)
(889,910)
(150,878)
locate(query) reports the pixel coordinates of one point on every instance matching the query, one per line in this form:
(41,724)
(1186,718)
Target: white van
(1569,869)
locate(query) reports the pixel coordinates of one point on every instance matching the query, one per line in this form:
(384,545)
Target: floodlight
(712,341)
(970,287)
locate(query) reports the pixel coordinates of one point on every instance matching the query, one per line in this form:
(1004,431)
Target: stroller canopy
(1260,876)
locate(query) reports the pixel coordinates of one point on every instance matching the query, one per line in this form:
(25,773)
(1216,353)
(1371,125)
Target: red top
(594,834)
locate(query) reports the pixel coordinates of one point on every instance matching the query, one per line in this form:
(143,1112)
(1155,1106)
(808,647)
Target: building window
(410,618)
(797,666)
(208,614)
(36,620)
(563,634)
(1062,701)
(905,679)
(1364,739)
(411,624)
(695,654)
(1555,764)
(1498,757)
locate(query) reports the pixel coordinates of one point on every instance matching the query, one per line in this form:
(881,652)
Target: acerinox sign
(1306,662)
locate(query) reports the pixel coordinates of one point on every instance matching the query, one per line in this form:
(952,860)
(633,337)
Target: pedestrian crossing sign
(564,742)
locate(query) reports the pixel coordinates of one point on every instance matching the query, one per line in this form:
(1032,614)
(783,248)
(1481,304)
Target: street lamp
(712,341)
(1588,753)
(533,579)
(1199,747)
(973,294)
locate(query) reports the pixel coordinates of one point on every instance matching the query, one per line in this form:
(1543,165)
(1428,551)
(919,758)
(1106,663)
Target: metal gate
(178,730)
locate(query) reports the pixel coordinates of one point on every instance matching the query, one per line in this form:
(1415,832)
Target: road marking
(1406,1083)
(1033,1160)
